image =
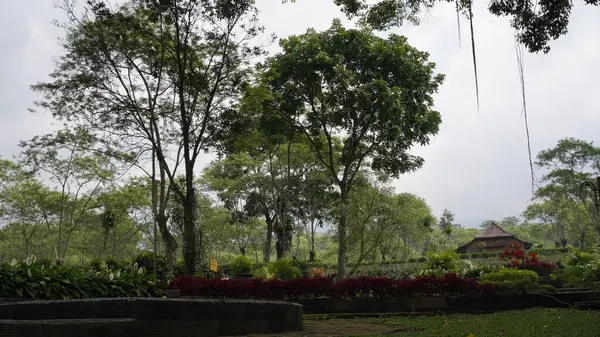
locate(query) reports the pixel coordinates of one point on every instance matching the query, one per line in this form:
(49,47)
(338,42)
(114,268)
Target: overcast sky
(476,166)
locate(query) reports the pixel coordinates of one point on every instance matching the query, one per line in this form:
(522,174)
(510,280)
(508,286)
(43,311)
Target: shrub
(284,270)
(146,260)
(580,257)
(511,279)
(579,274)
(263,273)
(446,262)
(179,267)
(303,288)
(31,280)
(478,271)
(241,265)
(318,272)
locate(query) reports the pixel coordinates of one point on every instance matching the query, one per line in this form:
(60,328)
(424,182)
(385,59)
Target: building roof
(493,231)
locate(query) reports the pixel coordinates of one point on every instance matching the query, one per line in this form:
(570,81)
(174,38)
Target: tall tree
(536,22)
(559,200)
(79,173)
(176,61)
(375,93)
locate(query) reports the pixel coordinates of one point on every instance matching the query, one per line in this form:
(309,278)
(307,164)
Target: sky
(477,166)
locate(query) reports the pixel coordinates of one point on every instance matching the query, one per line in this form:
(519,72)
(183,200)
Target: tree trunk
(189,222)
(311,256)
(169,242)
(342,229)
(269,241)
(243,251)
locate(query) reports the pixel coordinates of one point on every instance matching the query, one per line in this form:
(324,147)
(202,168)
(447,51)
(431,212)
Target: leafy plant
(447,261)
(241,265)
(31,280)
(473,271)
(579,274)
(511,279)
(263,273)
(284,270)
(580,257)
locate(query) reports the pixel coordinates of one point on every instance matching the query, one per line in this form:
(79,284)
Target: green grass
(526,323)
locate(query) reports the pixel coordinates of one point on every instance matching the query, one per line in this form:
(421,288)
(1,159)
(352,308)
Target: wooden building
(492,239)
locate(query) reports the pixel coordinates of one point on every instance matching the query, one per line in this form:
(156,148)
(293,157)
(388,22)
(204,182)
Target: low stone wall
(150,317)
(463,304)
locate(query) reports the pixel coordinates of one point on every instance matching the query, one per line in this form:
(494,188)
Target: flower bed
(307,288)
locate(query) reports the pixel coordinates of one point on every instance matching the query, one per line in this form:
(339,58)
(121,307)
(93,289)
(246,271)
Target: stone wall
(150,317)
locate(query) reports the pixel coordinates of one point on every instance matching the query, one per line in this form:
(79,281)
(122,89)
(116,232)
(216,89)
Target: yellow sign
(213,265)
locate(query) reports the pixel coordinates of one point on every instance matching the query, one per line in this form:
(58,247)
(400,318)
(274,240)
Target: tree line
(308,138)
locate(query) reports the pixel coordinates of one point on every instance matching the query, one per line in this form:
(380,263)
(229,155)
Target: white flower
(28,261)
(111,276)
(141,270)
(118,274)
(33,259)
(13,262)
(29,272)
(135,266)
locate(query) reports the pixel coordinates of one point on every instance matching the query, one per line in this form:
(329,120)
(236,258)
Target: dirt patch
(338,327)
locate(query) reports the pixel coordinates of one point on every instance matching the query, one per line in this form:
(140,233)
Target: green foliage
(447,261)
(511,279)
(31,280)
(264,273)
(241,265)
(585,275)
(284,270)
(146,261)
(536,25)
(476,271)
(580,257)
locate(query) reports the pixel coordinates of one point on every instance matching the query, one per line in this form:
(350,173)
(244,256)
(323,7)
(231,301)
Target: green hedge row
(46,281)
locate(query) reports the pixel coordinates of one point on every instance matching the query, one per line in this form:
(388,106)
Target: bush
(511,279)
(263,273)
(241,265)
(146,260)
(478,271)
(303,288)
(579,275)
(446,262)
(580,257)
(284,270)
(31,280)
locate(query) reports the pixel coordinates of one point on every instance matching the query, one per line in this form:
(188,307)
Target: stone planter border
(153,317)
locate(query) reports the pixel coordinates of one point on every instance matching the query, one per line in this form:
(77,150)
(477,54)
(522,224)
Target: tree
(370,218)
(79,172)
(180,62)
(413,222)
(536,23)
(559,200)
(23,204)
(373,92)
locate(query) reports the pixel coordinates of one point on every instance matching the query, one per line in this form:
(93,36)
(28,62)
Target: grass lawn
(526,323)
